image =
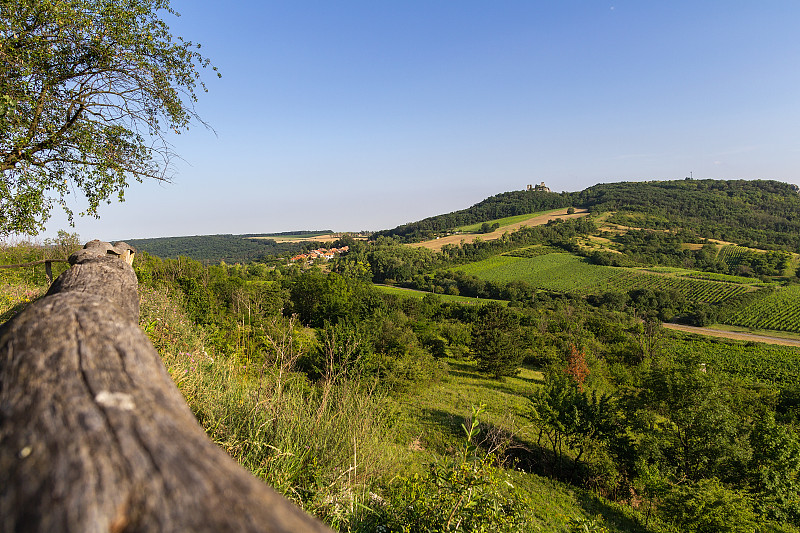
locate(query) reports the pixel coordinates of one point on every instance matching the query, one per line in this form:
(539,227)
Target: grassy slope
(506,221)
(426,428)
(436,413)
(400,291)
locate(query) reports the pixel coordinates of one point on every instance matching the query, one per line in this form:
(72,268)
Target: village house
(320,253)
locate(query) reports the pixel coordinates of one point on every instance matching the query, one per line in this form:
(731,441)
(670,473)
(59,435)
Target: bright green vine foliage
(88,89)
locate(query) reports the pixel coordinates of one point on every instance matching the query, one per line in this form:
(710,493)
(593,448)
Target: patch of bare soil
(733,335)
(437,244)
(330,237)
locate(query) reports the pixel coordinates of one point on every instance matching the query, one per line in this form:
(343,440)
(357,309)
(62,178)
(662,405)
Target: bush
(465,493)
(708,506)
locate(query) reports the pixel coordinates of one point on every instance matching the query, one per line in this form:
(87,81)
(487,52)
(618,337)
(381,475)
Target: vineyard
(557,272)
(732,255)
(695,290)
(714,276)
(764,363)
(778,310)
(532,251)
(569,273)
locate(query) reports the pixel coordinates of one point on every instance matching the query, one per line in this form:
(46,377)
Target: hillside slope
(759,213)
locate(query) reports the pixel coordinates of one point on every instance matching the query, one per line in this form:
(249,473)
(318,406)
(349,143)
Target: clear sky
(363,115)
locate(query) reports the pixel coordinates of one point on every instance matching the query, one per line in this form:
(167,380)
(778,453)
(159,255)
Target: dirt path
(437,244)
(328,237)
(733,335)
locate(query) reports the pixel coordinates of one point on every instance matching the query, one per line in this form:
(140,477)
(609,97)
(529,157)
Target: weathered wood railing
(48,268)
(94,435)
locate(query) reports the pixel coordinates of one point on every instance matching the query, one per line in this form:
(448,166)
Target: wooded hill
(760,213)
(216,248)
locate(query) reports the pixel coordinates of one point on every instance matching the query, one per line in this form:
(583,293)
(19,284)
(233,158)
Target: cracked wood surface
(94,435)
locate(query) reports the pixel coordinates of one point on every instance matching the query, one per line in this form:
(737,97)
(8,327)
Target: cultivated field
(533,220)
(322,237)
(557,271)
(779,310)
(766,363)
(569,273)
(734,335)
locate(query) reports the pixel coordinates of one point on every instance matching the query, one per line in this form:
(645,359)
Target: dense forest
(216,248)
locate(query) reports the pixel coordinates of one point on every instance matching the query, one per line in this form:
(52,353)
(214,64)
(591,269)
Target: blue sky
(363,115)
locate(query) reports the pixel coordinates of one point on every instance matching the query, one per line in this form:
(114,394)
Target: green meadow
(411,293)
(506,221)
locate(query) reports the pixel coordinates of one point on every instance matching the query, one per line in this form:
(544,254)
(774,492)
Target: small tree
(649,336)
(568,418)
(496,341)
(577,368)
(88,89)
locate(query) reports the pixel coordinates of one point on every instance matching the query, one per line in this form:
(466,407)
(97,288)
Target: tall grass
(323,445)
(19,286)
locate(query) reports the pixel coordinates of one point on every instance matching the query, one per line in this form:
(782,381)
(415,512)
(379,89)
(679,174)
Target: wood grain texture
(94,435)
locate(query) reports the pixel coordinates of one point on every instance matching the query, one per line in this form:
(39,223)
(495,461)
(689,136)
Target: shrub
(708,506)
(464,493)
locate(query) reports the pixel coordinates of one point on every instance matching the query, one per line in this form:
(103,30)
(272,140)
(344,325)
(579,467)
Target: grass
(557,271)
(318,446)
(411,293)
(439,409)
(15,296)
(507,221)
(19,286)
(435,415)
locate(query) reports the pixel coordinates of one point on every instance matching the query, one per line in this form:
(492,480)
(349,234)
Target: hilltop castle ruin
(541,187)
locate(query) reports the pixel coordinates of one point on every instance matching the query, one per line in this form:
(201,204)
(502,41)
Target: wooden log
(94,435)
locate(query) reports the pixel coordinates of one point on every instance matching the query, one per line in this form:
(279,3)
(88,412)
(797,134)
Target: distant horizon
(367,115)
(295,231)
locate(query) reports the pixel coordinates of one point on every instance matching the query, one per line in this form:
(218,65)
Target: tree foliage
(496,341)
(569,419)
(709,507)
(88,91)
